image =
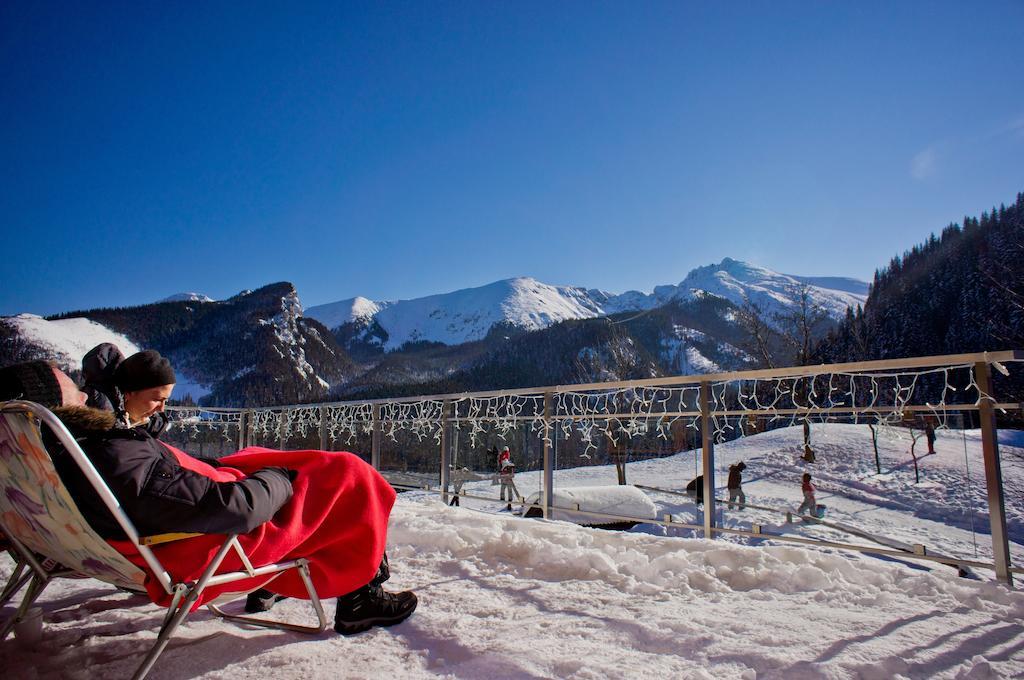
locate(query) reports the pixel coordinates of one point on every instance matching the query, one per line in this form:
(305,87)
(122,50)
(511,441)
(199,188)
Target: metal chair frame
(31,563)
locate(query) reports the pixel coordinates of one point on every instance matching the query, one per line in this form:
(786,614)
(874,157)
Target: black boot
(372,606)
(261,600)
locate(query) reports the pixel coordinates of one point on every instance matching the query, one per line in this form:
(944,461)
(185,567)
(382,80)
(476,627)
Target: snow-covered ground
(507,597)
(946,511)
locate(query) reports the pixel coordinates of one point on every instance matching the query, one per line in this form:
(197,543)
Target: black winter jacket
(735,476)
(157,494)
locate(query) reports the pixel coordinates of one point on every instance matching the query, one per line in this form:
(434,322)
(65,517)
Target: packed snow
(503,596)
(591,502)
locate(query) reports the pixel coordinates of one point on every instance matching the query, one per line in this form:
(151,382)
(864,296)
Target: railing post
(993,475)
(282,430)
(707,459)
(250,432)
(375,436)
(548,491)
(445,467)
(241,429)
(323,428)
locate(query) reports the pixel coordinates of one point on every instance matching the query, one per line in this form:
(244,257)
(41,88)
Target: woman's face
(141,404)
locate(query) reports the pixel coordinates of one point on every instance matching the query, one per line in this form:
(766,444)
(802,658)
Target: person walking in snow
(735,485)
(507,479)
(929,433)
(459,477)
(810,504)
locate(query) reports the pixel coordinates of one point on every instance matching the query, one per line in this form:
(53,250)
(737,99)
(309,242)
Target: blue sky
(395,150)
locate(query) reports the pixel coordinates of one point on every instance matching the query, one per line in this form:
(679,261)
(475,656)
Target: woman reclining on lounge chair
(328,507)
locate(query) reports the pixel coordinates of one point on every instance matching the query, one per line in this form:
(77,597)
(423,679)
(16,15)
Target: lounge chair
(51,539)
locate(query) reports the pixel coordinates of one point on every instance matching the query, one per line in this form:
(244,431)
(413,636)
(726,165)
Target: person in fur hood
(329,507)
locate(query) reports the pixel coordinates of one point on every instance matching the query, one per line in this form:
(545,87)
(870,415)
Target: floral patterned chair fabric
(36,509)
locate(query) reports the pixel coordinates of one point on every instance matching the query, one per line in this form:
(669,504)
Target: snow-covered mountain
(352,310)
(469,314)
(260,347)
(253,348)
(187,297)
(465,315)
(738,282)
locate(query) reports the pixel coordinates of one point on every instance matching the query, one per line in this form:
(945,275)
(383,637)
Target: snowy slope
(67,340)
(468,314)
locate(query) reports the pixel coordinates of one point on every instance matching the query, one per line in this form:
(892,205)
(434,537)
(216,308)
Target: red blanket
(337,519)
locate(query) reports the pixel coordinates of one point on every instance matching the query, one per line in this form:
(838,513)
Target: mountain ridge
(262,348)
(468,314)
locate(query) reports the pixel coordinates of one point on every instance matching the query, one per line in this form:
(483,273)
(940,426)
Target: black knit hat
(143,370)
(31,381)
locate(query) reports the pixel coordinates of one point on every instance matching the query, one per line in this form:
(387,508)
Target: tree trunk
(808,451)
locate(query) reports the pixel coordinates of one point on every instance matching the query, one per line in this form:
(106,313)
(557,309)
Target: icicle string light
(194,421)
(881,398)
(347,421)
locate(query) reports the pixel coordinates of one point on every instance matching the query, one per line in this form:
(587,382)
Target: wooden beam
(993,476)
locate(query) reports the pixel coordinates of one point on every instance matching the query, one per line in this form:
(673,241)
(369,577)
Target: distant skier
(735,485)
(929,433)
(810,503)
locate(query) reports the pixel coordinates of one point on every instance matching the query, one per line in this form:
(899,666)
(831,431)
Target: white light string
(193,421)
(881,398)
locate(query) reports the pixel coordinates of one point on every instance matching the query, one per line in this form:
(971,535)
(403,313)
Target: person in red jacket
(810,504)
(329,507)
(504,458)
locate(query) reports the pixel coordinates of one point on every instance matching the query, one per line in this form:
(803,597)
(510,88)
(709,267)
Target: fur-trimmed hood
(82,419)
